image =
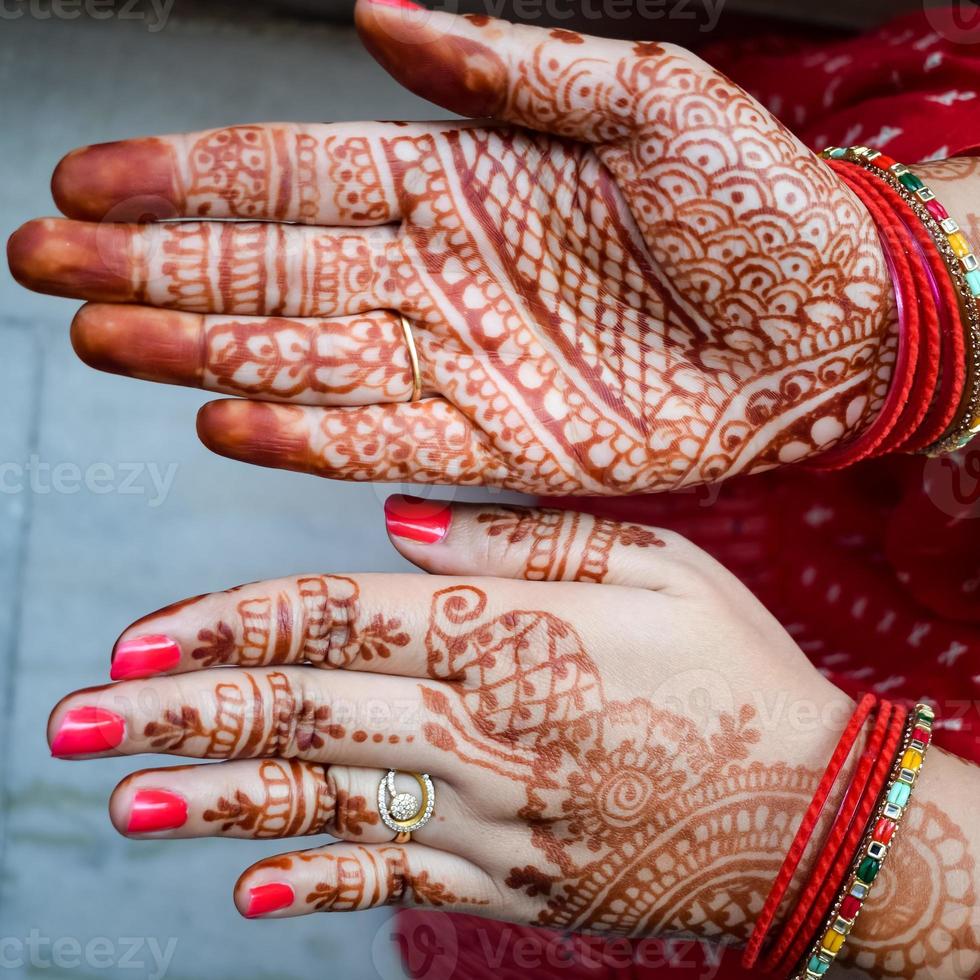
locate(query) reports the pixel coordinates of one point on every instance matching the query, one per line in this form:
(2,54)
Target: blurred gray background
(109,507)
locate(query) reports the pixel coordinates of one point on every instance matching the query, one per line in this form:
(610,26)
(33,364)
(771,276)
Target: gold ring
(413,358)
(405,813)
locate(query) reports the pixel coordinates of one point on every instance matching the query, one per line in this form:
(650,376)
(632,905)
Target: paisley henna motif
(616,856)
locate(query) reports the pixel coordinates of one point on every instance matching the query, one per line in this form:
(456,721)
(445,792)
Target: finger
(429,441)
(348,877)
(588,88)
(545,545)
(289,713)
(211,267)
(354,360)
(336,174)
(371,623)
(268,798)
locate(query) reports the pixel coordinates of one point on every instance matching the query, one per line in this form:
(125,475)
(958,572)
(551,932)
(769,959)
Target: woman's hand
(629,757)
(666,290)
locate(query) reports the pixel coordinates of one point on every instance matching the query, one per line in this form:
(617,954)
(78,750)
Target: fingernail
(264,899)
(405,4)
(86,731)
(421,520)
(144,656)
(154,810)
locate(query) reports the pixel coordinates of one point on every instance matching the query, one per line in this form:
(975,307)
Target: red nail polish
(421,520)
(264,899)
(154,810)
(87,731)
(405,4)
(144,656)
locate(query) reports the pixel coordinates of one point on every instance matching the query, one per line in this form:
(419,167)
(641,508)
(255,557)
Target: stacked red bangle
(845,833)
(830,872)
(806,830)
(933,400)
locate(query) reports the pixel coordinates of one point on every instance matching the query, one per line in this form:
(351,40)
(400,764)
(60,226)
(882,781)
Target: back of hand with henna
(618,737)
(637,280)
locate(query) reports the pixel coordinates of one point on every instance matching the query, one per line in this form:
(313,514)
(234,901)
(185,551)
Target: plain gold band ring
(413,358)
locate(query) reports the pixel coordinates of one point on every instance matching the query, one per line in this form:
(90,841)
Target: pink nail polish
(264,899)
(426,521)
(154,810)
(405,4)
(87,731)
(144,656)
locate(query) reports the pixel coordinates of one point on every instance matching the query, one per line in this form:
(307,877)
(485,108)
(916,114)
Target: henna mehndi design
(670,291)
(616,856)
(552,540)
(323,618)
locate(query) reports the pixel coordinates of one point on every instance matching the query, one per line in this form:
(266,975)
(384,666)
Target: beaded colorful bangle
(877,841)
(964,270)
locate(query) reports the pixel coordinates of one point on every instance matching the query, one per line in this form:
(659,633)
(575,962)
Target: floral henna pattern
(256,716)
(297,799)
(644,823)
(380,876)
(552,539)
(279,172)
(319,621)
(331,361)
(285,809)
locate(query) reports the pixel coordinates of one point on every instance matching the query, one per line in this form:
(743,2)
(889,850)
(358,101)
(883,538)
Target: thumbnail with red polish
(404,4)
(417,519)
(87,731)
(154,810)
(264,899)
(144,656)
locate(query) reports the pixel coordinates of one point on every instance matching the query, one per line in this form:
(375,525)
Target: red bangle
(952,357)
(841,861)
(828,854)
(896,245)
(808,826)
(920,272)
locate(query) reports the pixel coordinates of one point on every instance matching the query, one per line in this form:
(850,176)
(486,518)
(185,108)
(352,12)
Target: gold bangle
(413,358)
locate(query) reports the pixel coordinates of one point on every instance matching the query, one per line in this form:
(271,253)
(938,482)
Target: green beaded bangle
(964,270)
(877,841)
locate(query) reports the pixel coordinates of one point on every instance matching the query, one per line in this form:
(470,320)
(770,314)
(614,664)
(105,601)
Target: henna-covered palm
(624,744)
(666,289)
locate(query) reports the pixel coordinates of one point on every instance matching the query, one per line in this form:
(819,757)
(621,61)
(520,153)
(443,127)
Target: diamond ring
(405,813)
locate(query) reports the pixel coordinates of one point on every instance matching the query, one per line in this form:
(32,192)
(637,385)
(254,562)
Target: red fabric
(808,825)
(881,586)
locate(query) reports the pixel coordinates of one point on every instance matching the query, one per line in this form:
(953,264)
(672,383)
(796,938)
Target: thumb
(545,545)
(552,80)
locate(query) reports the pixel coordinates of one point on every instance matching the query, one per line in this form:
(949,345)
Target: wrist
(923,917)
